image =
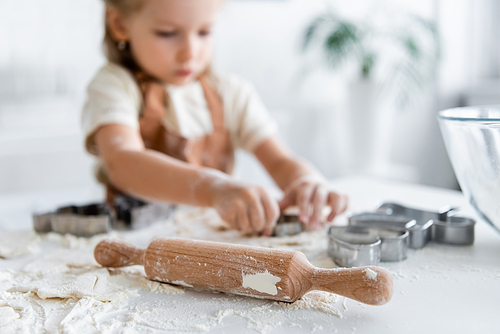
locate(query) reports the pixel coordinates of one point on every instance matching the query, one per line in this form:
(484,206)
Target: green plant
(403,51)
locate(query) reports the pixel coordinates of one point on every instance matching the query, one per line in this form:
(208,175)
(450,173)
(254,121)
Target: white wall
(51,49)
(261,41)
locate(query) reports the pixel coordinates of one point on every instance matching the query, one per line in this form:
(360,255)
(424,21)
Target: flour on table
(135,277)
(74,242)
(316,300)
(260,315)
(270,315)
(65,291)
(93,283)
(168,318)
(90,315)
(61,262)
(16,244)
(260,318)
(7,314)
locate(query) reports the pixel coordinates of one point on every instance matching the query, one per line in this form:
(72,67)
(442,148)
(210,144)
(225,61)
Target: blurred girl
(165,126)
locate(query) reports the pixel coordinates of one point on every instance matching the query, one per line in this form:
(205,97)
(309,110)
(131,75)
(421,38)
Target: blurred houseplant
(403,48)
(392,61)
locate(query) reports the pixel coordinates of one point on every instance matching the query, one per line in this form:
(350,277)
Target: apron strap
(214,103)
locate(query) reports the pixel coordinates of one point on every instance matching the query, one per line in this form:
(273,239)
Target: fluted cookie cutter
(355,246)
(423,226)
(84,221)
(97,218)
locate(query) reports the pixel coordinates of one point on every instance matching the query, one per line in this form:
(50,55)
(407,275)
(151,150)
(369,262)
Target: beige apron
(213,150)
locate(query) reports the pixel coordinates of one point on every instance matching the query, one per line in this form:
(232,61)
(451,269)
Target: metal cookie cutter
(456,230)
(441,226)
(84,221)
(92,219)
(355,246)
(419,234)
(287,225)
(421,216)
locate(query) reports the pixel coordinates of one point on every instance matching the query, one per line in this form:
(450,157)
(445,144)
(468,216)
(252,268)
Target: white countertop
(438,289)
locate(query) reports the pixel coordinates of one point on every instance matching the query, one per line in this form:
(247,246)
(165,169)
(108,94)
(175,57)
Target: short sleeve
(247,117)
(113,97)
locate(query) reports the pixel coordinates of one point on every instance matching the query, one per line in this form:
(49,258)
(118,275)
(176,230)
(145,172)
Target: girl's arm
(303,185)
(152,175)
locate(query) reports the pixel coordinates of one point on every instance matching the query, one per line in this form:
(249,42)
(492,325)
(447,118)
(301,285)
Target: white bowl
(472,139)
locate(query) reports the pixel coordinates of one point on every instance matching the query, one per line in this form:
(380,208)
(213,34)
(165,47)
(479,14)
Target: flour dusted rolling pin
(251,271)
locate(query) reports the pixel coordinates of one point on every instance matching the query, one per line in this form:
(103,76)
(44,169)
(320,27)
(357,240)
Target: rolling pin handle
(114,253)
(368,285)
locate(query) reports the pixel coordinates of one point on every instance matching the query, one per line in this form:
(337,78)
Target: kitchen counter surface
(438,289)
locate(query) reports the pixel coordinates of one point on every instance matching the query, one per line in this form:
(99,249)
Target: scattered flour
(7,314)
(16,244)
(153,286)
(370,274)
(145,318)
(135,277)
(89,316)
(65,291)
(86,284)
(270,315)
(74,242)
(317,300)
(261,318)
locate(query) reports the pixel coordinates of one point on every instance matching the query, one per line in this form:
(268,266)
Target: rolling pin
(260,272)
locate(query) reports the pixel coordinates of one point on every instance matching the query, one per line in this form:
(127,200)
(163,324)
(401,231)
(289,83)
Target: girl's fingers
(342,204)
(231,218)
(256,213)
(338,203)
(271,210)
(288,200)
(318,201)
(304,195)
(242,220)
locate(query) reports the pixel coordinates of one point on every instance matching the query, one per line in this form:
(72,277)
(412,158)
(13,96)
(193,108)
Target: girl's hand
(311,194)
(247,208)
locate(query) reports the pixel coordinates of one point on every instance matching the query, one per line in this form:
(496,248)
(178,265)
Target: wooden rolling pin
(251,271)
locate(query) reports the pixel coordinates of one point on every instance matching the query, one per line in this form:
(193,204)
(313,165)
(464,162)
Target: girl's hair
(124,57)
(115,55)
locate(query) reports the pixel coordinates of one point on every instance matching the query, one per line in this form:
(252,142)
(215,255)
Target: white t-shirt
(115,98)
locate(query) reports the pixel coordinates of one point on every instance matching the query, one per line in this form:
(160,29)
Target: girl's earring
(121,45)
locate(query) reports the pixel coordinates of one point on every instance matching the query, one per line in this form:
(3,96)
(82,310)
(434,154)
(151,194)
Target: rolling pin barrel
(253,271)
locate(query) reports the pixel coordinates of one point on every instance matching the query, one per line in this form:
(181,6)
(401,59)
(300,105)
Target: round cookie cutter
(456,230)
(288,224)
(355,246)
